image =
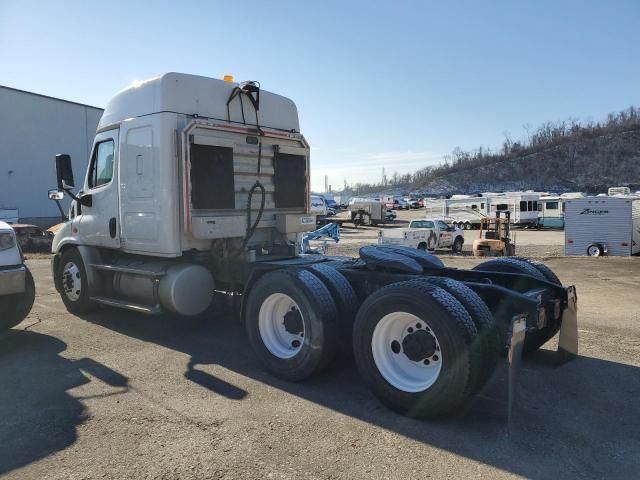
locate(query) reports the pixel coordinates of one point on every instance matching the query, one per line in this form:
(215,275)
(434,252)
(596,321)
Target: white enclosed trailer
(598,226)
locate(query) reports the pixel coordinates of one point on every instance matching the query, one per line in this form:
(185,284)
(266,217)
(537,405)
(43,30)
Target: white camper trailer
(467,212)
(551,209)
(523,206)
(551,212)
(596,226)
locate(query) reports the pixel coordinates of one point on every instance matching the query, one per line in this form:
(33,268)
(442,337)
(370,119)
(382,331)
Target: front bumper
(12,279)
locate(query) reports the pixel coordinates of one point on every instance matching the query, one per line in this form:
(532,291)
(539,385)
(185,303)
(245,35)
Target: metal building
(33,129)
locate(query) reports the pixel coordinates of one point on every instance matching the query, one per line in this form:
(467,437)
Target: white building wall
(33,129)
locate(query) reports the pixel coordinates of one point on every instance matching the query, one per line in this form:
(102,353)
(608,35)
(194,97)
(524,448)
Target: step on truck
(198,187)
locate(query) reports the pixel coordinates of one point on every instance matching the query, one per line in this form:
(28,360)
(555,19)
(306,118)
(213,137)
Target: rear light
(625,244)
(569,241)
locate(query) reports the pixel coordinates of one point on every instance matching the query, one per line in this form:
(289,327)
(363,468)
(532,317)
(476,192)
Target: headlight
(7,240)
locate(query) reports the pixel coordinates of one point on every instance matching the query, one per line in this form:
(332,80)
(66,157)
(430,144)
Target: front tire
(292,323)
(74,286)
(16,307)
(412,346)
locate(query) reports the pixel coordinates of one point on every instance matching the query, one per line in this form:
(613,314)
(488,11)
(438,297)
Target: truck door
(98,222)
(445,237)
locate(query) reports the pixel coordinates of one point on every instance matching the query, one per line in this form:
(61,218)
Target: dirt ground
(121,395)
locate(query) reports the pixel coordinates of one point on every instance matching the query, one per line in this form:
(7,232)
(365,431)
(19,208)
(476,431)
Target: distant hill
(587,164)
(558,157)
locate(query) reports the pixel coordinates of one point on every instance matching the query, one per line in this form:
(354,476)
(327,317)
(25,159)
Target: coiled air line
(248,89)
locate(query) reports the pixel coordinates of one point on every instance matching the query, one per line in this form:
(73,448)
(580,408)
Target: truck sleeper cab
(169,174)
(197,186)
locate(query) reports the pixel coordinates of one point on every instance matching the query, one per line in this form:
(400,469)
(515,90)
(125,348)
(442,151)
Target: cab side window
(101,171)
(442,225)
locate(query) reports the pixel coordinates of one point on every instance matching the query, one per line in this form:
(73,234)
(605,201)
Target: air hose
(249,89)
(251,228)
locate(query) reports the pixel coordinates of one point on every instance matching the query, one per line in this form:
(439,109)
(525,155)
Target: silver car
(17,289)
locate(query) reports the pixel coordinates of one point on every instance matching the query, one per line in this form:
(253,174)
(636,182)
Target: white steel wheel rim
(71,281)
(396,368)
(273,331)
(593,251)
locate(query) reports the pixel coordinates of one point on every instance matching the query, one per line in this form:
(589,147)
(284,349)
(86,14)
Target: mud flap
(514,360)
(568,340)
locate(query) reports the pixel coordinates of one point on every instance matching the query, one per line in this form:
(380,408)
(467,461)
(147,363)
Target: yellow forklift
(495,237)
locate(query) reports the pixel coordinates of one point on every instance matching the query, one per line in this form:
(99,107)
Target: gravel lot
(529,243)
(121,395)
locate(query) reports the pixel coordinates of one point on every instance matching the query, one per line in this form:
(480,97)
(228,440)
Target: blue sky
(392,84)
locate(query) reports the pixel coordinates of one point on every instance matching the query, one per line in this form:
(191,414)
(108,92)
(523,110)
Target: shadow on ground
(579,420)
(38,416)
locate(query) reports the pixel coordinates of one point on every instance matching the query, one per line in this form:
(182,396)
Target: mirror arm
(74,197)
(68,190)
(62,214)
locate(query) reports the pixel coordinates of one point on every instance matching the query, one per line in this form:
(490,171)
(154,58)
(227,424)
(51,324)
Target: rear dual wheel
(536,338)
(292,323)
(414,346)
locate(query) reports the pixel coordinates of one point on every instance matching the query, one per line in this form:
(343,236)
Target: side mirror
(56,194)
(64,172)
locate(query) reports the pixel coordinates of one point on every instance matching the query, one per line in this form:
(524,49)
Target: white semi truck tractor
(197,186)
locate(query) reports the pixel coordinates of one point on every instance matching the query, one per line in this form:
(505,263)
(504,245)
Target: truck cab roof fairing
(195,95)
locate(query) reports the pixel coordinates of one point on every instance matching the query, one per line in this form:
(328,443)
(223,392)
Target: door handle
(112,227)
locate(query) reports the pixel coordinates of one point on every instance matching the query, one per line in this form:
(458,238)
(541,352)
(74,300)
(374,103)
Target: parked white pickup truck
(424,234)
(17,290)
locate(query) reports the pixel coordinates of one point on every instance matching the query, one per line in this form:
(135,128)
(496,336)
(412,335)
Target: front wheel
(16,307)
(72,280)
